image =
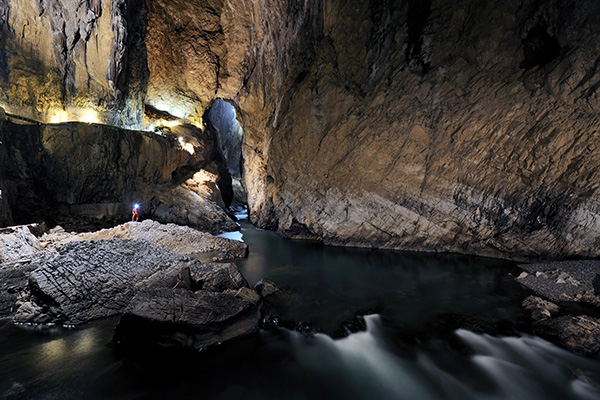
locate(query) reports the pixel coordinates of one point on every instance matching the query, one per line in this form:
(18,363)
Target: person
(135,213)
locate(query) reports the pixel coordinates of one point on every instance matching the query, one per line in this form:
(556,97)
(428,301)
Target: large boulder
(91,280)
(210,304)
(579,334)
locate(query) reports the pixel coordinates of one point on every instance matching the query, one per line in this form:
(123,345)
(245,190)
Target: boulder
(91,280)
(579,334)
(184,318)
(540,309)
(265,287)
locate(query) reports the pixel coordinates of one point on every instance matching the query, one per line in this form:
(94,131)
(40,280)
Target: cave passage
(222,118)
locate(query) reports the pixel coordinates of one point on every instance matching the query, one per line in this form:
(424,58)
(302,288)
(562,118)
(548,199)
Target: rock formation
(423,125)
(180,239)
(566,303)
(55,172)
(165,297)
(210,304)
(445,126)
(91,280)
(56,276)
(73,60)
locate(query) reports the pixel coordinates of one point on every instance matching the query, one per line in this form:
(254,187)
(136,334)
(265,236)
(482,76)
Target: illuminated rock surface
(180,239)
(439,126)
(61,58)
(58,172)
(136,255)
(435,125)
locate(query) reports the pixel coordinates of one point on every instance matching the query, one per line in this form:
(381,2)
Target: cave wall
(73,60)
(47,167)
(434,125)
(467,126)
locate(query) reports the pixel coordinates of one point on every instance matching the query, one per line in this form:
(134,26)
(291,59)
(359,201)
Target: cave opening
(222,120)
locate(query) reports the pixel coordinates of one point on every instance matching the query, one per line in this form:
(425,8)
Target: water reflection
(326,285)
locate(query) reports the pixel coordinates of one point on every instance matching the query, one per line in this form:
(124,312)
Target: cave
(221,119)
(314,199)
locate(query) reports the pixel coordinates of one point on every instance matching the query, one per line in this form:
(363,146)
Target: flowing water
(406,352)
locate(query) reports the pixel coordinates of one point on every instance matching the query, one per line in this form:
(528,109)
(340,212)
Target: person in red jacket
(135,213)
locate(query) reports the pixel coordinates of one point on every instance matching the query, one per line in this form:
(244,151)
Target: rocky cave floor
(151,275)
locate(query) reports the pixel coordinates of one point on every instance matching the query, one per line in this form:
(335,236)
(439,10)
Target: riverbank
(565,303)
(138,271)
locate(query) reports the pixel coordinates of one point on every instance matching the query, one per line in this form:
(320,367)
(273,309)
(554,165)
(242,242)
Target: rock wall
(73,60)
(49,167)
(431,125)
(439,126)
(435,126)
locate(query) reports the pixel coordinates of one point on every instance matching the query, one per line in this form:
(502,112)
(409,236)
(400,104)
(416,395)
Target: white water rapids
(362,366)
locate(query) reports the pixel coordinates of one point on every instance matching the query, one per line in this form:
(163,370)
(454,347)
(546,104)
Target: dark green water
(407,293)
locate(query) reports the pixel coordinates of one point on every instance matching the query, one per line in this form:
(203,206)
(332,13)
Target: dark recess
(418,14)
(539,48)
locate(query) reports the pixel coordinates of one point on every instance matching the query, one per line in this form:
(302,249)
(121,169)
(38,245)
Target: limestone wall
(443,126)
(73,60)
(435,125)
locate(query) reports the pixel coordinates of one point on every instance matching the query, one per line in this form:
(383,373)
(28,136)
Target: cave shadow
(222,120)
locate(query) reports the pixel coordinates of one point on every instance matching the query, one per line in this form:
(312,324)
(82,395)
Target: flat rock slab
(180,239)
(562,281)
(93,279)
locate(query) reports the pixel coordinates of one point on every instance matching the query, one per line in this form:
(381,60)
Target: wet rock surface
(189,319)
(564,281)
(579,334)
(91,280)
(540,309)
(138,270)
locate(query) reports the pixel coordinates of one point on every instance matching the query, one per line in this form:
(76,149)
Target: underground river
(410,350)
